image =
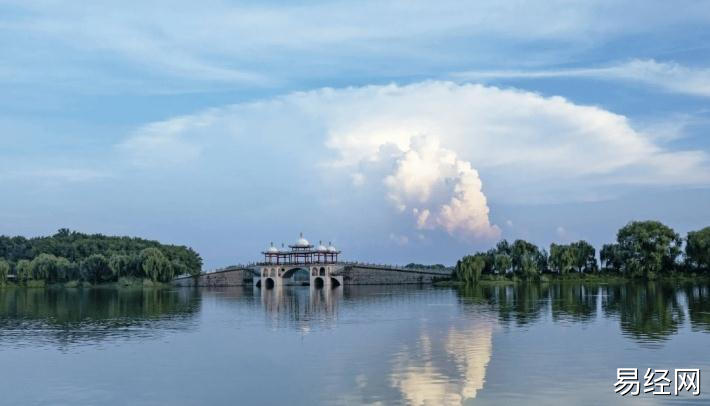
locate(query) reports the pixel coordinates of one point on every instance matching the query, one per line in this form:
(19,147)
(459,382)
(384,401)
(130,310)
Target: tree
(526,258)
(95,269)
(469,268)
(503,247)
(562,259)
(697,249)
(648,248)
(584,254)
(610,256)
(529,265)
(51,268)
(178,268)
(23,270)
(156,265)
(4,270)
(503,263)
(120,265)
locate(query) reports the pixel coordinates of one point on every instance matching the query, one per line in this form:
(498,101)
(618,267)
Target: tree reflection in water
(698,298)
(648,312)
(72,316)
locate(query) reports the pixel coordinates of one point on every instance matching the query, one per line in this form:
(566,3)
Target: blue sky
(401,131)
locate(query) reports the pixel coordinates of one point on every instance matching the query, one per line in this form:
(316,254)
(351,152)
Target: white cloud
(561,231)
(399,239)
(421,147)
(441,190)
(669,76)
(266,44)
(164,142)
(74,175)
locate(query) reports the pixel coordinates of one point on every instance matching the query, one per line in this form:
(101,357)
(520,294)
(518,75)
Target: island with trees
(71,258)
(643,249)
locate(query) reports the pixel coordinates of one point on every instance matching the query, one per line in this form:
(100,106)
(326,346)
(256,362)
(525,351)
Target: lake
(551,344)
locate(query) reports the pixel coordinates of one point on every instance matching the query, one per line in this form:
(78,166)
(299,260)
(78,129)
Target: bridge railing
(443,271)
(251,265)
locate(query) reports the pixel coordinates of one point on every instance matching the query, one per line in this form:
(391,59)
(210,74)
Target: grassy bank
(577,277)
(126,282)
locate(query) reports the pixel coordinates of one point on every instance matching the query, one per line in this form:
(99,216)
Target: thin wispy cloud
(260,44)
(73,175)
(668,76)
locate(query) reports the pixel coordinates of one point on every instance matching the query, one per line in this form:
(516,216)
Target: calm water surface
(556,344)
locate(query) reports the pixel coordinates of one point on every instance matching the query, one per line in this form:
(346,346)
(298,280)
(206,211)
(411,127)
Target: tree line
(95,258)
(642,249)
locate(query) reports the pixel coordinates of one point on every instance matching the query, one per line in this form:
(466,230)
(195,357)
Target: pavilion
(301,252)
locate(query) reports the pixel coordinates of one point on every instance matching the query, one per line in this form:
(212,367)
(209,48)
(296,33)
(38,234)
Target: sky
(401,131)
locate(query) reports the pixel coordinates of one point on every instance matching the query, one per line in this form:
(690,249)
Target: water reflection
(300,307)
(648,312)
(446,369)
(698,299)
(350,345)
(71,316)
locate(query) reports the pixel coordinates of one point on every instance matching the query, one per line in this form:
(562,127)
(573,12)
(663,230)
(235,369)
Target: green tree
(648,248)
(156,265)
(23,270)
(178,268)
(43,266)
(562,259)
(469,268)
(526,258)
(584,254)
(529,265)
(95,269)
(503,263)
(4,270)
(77,247)
(610,256)
(50,267)
(697,249)
(120,265)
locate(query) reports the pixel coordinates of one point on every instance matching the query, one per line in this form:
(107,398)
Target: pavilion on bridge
(301,252)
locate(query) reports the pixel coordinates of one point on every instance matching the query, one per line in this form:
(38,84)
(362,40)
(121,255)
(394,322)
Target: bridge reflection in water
(442,366)
(300,306)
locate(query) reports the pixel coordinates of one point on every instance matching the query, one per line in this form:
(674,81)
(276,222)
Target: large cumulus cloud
(421,147)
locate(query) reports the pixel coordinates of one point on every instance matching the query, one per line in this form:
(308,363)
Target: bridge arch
(318,282)
(298,275)
(334,282)
(269,283)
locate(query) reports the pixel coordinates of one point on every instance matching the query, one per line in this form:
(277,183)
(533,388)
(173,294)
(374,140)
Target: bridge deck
(345,265)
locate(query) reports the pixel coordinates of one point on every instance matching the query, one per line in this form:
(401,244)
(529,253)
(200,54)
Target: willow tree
(95,268)
(562,259)
(23,270)
(469,268)
(648,247)
(697,249)
(156,265)
(4,270)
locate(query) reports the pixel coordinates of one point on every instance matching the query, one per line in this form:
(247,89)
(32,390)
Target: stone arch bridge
(320,275)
